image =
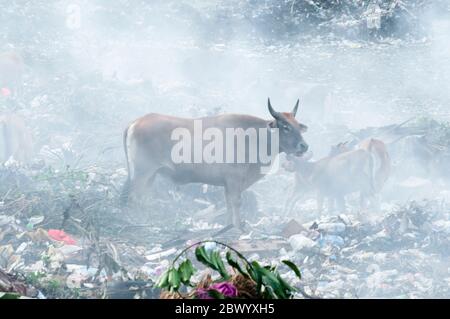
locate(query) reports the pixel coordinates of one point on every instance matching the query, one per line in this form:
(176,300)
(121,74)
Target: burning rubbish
(337,186)
(339,256)
(61,246)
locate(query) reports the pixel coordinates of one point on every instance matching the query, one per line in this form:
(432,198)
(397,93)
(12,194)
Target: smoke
(93,66)
(100,65)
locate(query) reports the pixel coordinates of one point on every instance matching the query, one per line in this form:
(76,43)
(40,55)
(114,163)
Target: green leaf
(215,294)
(256,275)
(294,268)
(9,295)
(240,255)
(271,280)
(186,270)
(270,268)
(202,256)
(174,279)
(233,263)
(219,265)
(288,289)
(163,280)
(213,261)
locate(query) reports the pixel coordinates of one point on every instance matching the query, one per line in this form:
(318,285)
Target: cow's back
(150,141)
(344,174)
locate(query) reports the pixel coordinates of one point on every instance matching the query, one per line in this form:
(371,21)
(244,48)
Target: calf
(380,154)
(332,177)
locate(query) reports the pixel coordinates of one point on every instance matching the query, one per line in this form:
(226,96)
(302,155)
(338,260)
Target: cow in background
(378,149)
(15,139)
(364,169)
(12,70)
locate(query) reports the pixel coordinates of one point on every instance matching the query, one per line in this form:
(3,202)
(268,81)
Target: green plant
(34,278)
(9,295)
(53,286)
(76,293)
(267,280)
(45,259)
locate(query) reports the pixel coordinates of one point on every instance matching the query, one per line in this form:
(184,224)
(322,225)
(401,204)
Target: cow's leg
(233,198)
(133,190)
(229,206)
(294,202)
(319,203)
(237,200)
(292,199)
(135,187)
(139,186)
(125,193)
(363,198)
(288,203)
(331,204)
(376,202)
(340,202)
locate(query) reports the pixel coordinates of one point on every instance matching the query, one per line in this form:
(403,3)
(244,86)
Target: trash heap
(63,234)
(403,254)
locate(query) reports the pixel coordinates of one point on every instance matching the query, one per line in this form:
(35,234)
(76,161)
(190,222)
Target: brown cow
(380,154)
(148,147)
(382,159)
(342,172)
(332,177)
(15,139)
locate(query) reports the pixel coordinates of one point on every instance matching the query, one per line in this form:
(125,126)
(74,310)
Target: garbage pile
(63,234)
(399,254)
(345,18)
(403,254)
(419,146)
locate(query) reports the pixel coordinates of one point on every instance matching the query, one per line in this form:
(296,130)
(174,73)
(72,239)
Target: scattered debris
(60,235)
(378,254)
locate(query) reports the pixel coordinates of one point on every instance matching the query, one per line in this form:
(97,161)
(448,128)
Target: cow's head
(294,163)
(291,139)
(339,149)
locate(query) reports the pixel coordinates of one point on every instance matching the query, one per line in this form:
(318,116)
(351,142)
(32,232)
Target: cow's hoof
(234,228)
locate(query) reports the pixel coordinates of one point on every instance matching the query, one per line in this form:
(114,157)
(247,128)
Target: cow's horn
(294,111)
(271,110)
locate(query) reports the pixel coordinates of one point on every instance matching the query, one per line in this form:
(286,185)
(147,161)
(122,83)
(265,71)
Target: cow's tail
(126,187)
(384,168)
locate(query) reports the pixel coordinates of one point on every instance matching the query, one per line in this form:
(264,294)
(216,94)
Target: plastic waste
(299,242)
(333,240)
(60,235)
(332,228)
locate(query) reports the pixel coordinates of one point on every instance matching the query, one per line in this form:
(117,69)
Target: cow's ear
(272,124)
(303,128)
